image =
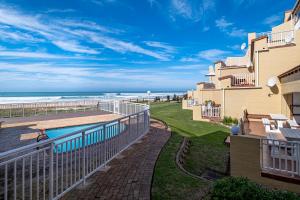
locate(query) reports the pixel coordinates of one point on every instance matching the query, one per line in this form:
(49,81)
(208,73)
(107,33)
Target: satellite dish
(243,46)
(272,82)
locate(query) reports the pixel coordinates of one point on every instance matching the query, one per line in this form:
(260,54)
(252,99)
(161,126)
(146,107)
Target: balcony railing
(210,111)
(243,80)
(278,38)
(50,168)
(281,157)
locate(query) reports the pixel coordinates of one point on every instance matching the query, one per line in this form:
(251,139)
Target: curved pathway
(130,175)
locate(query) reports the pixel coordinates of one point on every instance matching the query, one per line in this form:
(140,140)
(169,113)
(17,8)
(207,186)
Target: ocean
(29,97)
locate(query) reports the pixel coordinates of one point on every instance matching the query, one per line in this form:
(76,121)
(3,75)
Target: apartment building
(262,90)
(265,80)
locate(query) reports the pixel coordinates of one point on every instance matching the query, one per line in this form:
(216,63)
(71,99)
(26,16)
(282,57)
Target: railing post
(137,123)
(129,129)
(51,171)
(145,118)
(83,157)
(298,158)
(105,145)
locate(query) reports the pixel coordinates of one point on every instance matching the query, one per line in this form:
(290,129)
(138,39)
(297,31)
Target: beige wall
(234,70)
(245,161)
(197,115)
(185,105)
(255,100)
(214,95)
(286,26)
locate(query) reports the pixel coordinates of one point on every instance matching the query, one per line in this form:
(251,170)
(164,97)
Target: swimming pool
(92,136)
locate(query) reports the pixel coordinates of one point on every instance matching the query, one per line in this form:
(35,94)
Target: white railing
(45,108)
(51,168)
(279,38)
(210,111)
(280,157)
(243,79)
(192,102)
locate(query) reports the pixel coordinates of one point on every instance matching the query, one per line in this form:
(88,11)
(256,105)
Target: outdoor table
(279,118)
(291,134)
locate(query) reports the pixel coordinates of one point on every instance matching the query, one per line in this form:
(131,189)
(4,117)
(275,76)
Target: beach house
(265,80)
(261,90)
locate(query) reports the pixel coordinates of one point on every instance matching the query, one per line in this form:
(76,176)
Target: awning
(290,87)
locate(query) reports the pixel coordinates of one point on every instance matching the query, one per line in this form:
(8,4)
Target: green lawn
(207,151)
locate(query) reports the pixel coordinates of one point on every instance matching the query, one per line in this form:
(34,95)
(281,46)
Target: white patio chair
(293,123)
(269,128)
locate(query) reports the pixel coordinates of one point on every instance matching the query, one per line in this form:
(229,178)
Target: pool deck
(129,176)
(17,132)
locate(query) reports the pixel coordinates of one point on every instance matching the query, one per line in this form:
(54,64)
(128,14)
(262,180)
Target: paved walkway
(129,176)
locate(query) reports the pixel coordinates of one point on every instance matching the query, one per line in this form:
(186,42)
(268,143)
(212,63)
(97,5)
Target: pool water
(74,142)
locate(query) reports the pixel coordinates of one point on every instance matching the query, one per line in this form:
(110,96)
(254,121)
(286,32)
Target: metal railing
(210,111)
(280,157)
(278,38)
(191,102)
(243,79)
(51,168)
(46,108)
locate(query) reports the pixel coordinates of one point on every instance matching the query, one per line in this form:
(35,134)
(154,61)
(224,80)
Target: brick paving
(130,175)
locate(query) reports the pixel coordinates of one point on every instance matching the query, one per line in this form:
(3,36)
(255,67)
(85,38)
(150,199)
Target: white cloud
(73,46)
(206,55)
(8,35)
(188,67)
(69,10)
(191,10)
(4,53)
(229,28)
(271,20)
(168,48)
(183,8)
(212,54)
(189,59)
(152,2)
(102,2)
(121,46)
(235,32)
(222,23)
(66,34)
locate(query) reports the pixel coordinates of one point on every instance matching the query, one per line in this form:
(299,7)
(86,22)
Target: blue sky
(123,45)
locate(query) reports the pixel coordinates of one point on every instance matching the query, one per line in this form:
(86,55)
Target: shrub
(235,121)
(230,121)
(168,98)
(174,97)
(240,188)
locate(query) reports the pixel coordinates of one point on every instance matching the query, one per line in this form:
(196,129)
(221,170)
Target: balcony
(243,80)
(281,158)
(211,112)
(275,39)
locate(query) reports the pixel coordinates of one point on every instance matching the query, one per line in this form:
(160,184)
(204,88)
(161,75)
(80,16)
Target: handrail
(63,162)
(50,140)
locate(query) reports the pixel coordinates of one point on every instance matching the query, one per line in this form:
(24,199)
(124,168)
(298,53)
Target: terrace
(52,167)
(280,147)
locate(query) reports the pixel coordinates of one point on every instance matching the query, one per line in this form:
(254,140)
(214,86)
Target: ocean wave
(31,99)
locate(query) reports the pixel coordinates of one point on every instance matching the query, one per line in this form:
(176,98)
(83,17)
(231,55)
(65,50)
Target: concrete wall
(185,105)
(245,161)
